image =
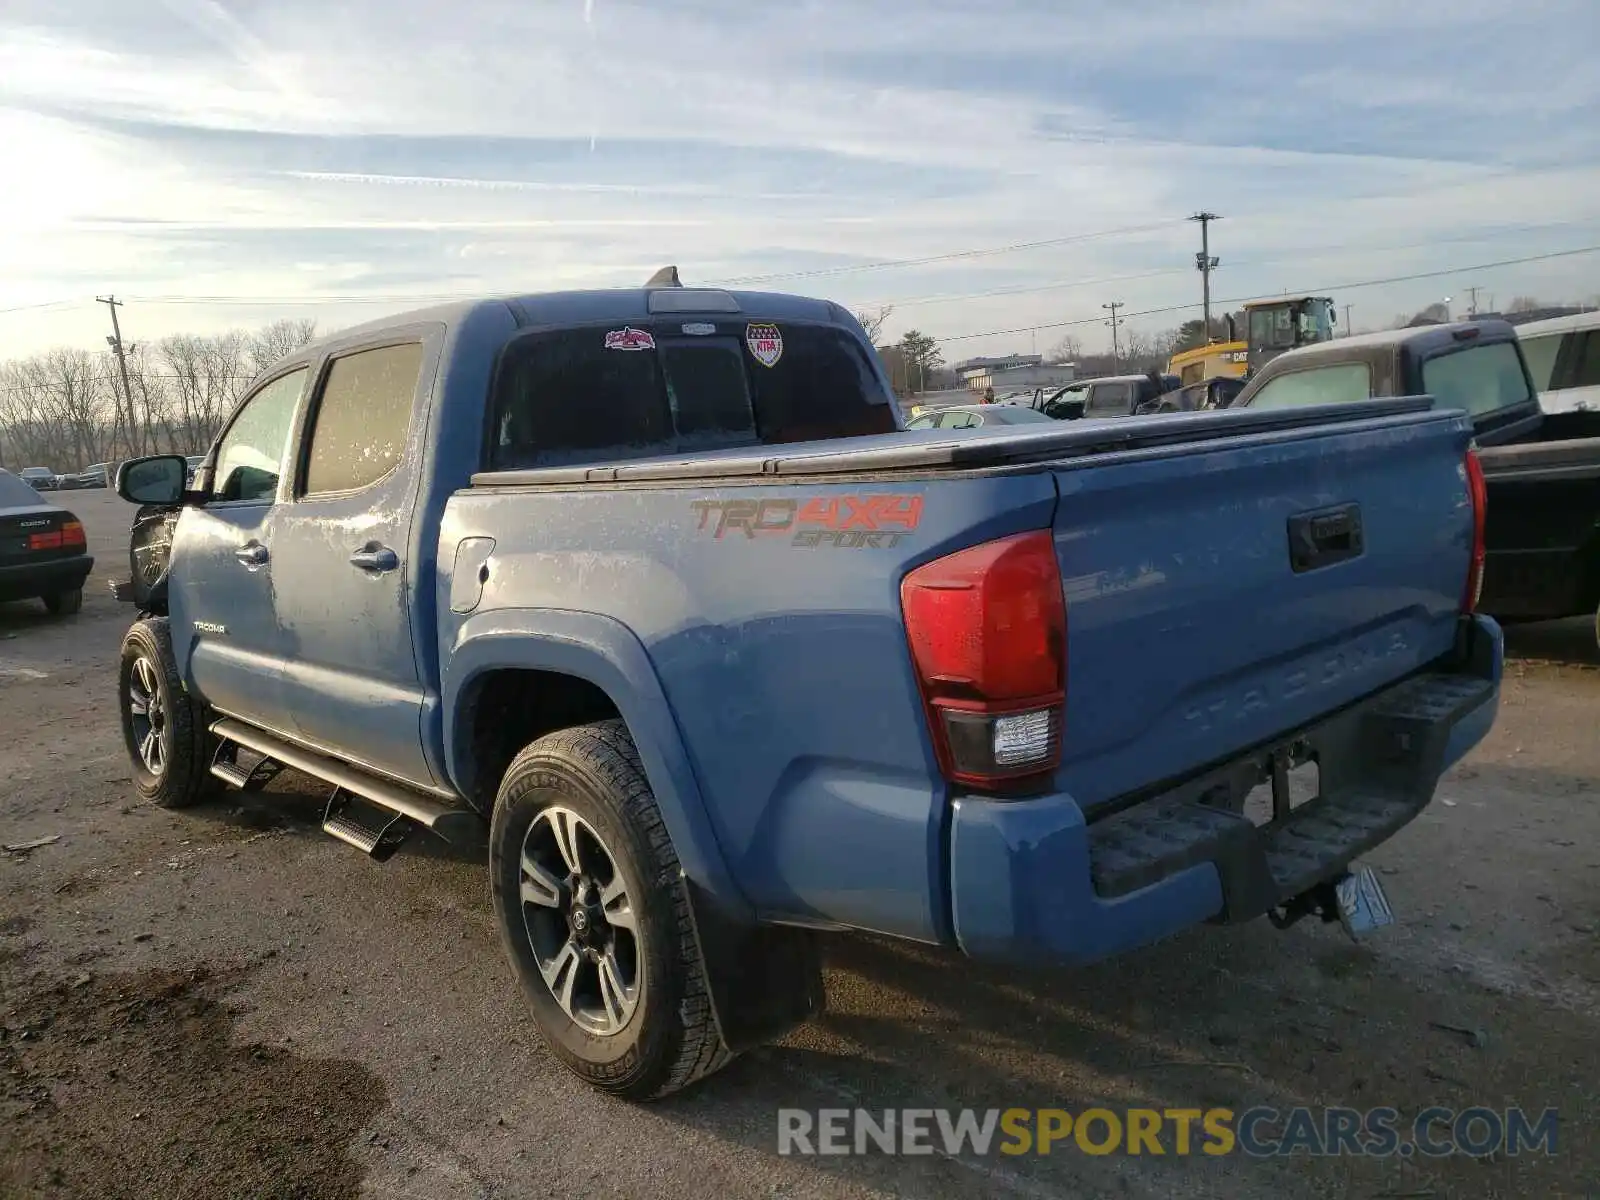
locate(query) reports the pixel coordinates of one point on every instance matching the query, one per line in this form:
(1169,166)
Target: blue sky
(223,162)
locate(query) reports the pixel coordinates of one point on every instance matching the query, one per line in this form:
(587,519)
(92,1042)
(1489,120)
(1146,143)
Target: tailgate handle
(1324,537)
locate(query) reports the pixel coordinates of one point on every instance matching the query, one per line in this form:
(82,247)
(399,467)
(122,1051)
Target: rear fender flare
(606,653)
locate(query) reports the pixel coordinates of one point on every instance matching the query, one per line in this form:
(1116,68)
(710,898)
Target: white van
(1563,356)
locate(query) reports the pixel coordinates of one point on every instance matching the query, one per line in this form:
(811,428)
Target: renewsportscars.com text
(1434,1132)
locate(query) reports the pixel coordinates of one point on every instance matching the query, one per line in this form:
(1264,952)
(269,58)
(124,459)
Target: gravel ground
(224,1002)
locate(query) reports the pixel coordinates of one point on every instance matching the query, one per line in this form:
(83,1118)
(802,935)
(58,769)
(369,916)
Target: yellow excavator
(1271,327)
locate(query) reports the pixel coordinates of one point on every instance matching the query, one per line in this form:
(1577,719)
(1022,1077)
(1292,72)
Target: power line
(1341,287)
(952,256)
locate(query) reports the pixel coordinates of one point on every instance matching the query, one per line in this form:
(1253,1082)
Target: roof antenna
(666,277)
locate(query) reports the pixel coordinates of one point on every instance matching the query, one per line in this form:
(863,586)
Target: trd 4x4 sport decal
(872,522)
(629,338)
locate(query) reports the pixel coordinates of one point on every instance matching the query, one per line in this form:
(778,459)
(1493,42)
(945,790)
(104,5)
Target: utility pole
(1472,305)
(115,342)
(1206,264)
(1115,352)
(1348,328)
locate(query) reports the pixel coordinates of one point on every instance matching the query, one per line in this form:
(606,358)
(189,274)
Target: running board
(459,826)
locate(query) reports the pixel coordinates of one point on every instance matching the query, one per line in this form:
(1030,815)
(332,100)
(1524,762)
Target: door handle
(372,557)
(251,554)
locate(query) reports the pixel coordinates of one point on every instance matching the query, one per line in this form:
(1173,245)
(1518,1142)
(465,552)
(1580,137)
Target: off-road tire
(63,604)
(186,778)
(671,1039)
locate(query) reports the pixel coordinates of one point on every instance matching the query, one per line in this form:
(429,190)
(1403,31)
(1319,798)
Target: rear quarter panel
(771,617)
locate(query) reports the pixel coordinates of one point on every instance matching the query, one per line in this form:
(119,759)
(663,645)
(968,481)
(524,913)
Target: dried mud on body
(129,1086)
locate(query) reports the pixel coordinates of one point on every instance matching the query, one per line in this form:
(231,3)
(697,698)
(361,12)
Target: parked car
(40,479)
(96,475)
(1110,396)
(973,416)
(650,588)
(1563,356)
(1542,469)
(1217,392)
(43,550)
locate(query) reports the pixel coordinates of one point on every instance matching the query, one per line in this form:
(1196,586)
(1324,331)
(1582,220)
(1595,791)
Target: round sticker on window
(765,342)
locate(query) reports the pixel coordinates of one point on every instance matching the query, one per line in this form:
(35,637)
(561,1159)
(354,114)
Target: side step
(399,808)
(379,836)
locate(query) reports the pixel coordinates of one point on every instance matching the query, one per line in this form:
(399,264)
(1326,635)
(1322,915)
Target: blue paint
(768,685)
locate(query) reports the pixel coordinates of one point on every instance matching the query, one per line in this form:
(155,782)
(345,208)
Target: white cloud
(373,148)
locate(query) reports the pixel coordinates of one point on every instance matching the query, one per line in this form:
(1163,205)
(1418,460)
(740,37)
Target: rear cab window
(1337,383)
(607,392)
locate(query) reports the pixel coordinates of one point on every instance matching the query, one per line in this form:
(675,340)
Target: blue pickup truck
(651,590)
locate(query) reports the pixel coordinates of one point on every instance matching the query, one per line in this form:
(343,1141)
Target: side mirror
(159,479)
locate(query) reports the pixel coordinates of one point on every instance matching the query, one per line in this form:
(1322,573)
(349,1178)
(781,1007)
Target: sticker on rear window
(629,338)
(765,342)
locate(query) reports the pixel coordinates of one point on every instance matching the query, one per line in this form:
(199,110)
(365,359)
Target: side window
(923,423)
(1583,368)
(957,420)
(1337,384)
(1109,399)
(359,430)
(1541,355)
(1481,379)
(250,458)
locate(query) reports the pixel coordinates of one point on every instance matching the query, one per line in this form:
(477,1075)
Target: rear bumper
(24,581)
(1033,881)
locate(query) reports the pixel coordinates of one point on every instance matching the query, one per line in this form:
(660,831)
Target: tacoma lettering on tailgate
(876,521)
(1355,659)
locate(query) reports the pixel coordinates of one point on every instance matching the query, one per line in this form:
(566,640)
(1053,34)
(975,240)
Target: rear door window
(1339,383)
(1481,379)
(1541,354)
(1582,367)
(598,393)
(362,419)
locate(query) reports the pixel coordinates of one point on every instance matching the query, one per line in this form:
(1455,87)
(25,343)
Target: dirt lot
(226,1003)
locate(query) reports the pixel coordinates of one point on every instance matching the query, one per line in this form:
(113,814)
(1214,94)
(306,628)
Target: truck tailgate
(1219,595)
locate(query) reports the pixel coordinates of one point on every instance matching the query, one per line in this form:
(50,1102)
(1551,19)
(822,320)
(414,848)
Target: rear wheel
(595,919)
(64,604)
(163,727)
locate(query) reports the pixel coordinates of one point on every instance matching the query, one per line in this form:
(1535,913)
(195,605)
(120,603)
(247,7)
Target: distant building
(1014,373)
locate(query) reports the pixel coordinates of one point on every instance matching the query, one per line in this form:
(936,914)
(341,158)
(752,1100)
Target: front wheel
(595,919)
(163,727)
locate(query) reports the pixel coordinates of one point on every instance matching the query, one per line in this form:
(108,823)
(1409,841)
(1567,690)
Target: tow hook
(1355,900)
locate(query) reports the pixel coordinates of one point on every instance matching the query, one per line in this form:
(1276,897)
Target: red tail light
(1478,493)
(988,634)
(68,537)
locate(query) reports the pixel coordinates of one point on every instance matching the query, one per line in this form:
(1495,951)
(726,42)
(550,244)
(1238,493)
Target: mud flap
(764,979)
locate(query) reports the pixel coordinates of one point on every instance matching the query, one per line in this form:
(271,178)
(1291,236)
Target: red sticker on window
(765,342)
(630,338)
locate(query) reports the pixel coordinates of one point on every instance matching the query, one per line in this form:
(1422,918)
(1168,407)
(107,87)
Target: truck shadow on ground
(1569,641)
(1229,1018)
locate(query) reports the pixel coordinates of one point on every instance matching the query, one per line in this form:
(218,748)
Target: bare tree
(1068,349)
(1522,304)
(278,340)
(873,320)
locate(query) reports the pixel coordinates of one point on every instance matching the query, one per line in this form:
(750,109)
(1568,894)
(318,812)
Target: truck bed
(764,587)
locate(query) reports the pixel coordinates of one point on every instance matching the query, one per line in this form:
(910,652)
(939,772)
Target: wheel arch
(603,671)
